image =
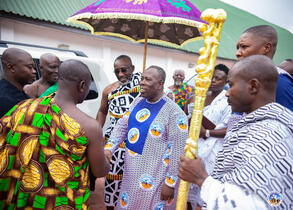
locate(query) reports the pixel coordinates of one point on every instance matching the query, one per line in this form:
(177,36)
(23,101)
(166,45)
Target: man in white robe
(218,111)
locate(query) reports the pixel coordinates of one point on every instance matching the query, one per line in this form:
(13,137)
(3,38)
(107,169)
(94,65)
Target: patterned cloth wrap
(43,162)
(183,94)
(118,105)
(257,155)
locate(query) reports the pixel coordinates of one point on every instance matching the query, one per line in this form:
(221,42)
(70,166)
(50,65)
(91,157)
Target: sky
(279,12)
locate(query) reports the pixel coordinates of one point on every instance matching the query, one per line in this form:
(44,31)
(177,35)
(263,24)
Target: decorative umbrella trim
(149,40)
(167,44)
(135,16)
(157,41)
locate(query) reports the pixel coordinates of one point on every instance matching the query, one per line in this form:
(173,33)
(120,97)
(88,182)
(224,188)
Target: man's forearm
(101,118)
(219,133)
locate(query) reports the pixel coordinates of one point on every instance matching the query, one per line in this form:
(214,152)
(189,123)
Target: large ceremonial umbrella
(168,22)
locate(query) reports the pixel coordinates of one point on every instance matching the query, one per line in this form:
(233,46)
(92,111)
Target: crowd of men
(51,152)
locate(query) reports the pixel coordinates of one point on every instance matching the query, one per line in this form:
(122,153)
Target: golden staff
(205,68)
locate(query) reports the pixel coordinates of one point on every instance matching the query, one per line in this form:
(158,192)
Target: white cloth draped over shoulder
(219,113)
(256,161)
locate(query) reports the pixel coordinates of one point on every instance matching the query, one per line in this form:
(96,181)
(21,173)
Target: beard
(178,82)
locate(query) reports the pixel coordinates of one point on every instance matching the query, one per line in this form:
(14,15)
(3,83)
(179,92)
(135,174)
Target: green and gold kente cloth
(43,163)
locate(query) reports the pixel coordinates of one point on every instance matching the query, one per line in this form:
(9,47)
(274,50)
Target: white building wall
(97,47)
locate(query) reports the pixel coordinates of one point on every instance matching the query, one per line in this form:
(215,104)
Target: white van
(99,78)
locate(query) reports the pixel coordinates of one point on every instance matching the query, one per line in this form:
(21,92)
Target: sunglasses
(122,70)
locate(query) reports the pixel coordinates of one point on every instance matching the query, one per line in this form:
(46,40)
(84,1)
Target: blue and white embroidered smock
(156,135)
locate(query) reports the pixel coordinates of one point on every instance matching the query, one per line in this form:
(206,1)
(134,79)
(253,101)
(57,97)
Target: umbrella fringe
(166,20)
(153,41)
(77,21)
(169,44)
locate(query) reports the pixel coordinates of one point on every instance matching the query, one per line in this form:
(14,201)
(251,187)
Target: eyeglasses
(122,70)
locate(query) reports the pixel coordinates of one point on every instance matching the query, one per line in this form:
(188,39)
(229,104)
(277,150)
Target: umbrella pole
(145,44)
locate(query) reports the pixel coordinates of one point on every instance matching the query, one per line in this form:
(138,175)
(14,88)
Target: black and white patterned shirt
(256,161)
(120,104)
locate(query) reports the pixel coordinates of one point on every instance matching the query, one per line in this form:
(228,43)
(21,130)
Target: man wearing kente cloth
(155,131)
(49,65)
(116,100)
(181,91)
(47,146)
(254,168)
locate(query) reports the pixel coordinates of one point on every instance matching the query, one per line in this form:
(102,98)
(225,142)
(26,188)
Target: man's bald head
(160,71)
(252,82)
(49,66)
(257,40)
(74,71)
(47,57)
(259,67)
(19,67)
(264,31)
(12,56)
(179,71)
(287,65)
(74,80)
(178,77)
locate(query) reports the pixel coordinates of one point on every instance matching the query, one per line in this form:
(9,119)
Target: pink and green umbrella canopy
(171,22)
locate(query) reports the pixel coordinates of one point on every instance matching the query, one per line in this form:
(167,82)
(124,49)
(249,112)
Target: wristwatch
(207,133)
